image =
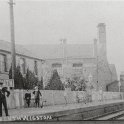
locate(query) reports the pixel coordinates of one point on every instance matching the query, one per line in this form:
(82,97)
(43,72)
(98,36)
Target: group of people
(37,95)
(5,93)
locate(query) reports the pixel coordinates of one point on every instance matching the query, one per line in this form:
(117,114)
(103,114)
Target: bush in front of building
(40,84)
(82,85)
(18,78)
(30,80)
(76,84)
(70,84)
(55,83)
(27,81)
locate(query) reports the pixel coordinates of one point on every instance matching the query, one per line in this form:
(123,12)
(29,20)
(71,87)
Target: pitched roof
(6,46)
(53,51)
(114,82)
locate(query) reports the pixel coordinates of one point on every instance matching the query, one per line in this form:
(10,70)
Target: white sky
(40,21)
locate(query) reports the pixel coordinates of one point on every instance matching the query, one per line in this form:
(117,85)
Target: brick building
(86,60)
(24,58)
(122,82)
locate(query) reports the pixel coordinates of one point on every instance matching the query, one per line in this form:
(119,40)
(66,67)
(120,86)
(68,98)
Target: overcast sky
(38,21)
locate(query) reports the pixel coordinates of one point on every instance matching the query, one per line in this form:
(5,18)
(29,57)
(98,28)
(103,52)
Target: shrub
(18,78)
(30,80)
(55,83)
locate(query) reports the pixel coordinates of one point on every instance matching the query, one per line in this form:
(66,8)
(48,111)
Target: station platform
(77,111)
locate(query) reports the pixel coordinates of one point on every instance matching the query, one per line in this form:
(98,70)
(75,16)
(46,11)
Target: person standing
(3,101)
(37,94)
(28,97)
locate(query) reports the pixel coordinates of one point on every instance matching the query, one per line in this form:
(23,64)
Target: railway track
(119,115)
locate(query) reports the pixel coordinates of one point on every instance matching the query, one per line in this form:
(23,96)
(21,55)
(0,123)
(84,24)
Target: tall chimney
(102,40)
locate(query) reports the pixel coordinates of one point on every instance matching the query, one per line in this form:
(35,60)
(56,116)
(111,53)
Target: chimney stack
(102,40)
(102,32)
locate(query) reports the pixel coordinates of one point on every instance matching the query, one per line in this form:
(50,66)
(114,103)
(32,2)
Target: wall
(68,71)
(113,87)
(111,95)
(104,74)
(53,97)
(122,81)
(89,68)
(29,64)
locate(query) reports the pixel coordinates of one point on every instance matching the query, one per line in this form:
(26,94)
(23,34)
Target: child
(37,94)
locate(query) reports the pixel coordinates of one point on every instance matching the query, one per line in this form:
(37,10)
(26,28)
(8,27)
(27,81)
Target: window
(77,64)
(23,65)
(56,65)
(35,68)
(3,63)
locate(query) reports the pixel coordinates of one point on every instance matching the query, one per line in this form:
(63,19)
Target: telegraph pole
(11,3)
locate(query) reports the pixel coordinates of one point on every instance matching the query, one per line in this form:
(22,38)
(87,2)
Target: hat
(1,83)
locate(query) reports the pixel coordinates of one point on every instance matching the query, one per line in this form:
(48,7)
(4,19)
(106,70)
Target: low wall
(96,96)
(54,97)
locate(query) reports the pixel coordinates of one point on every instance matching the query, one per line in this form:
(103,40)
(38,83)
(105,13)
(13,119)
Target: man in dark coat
(28,98)
(3,99)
